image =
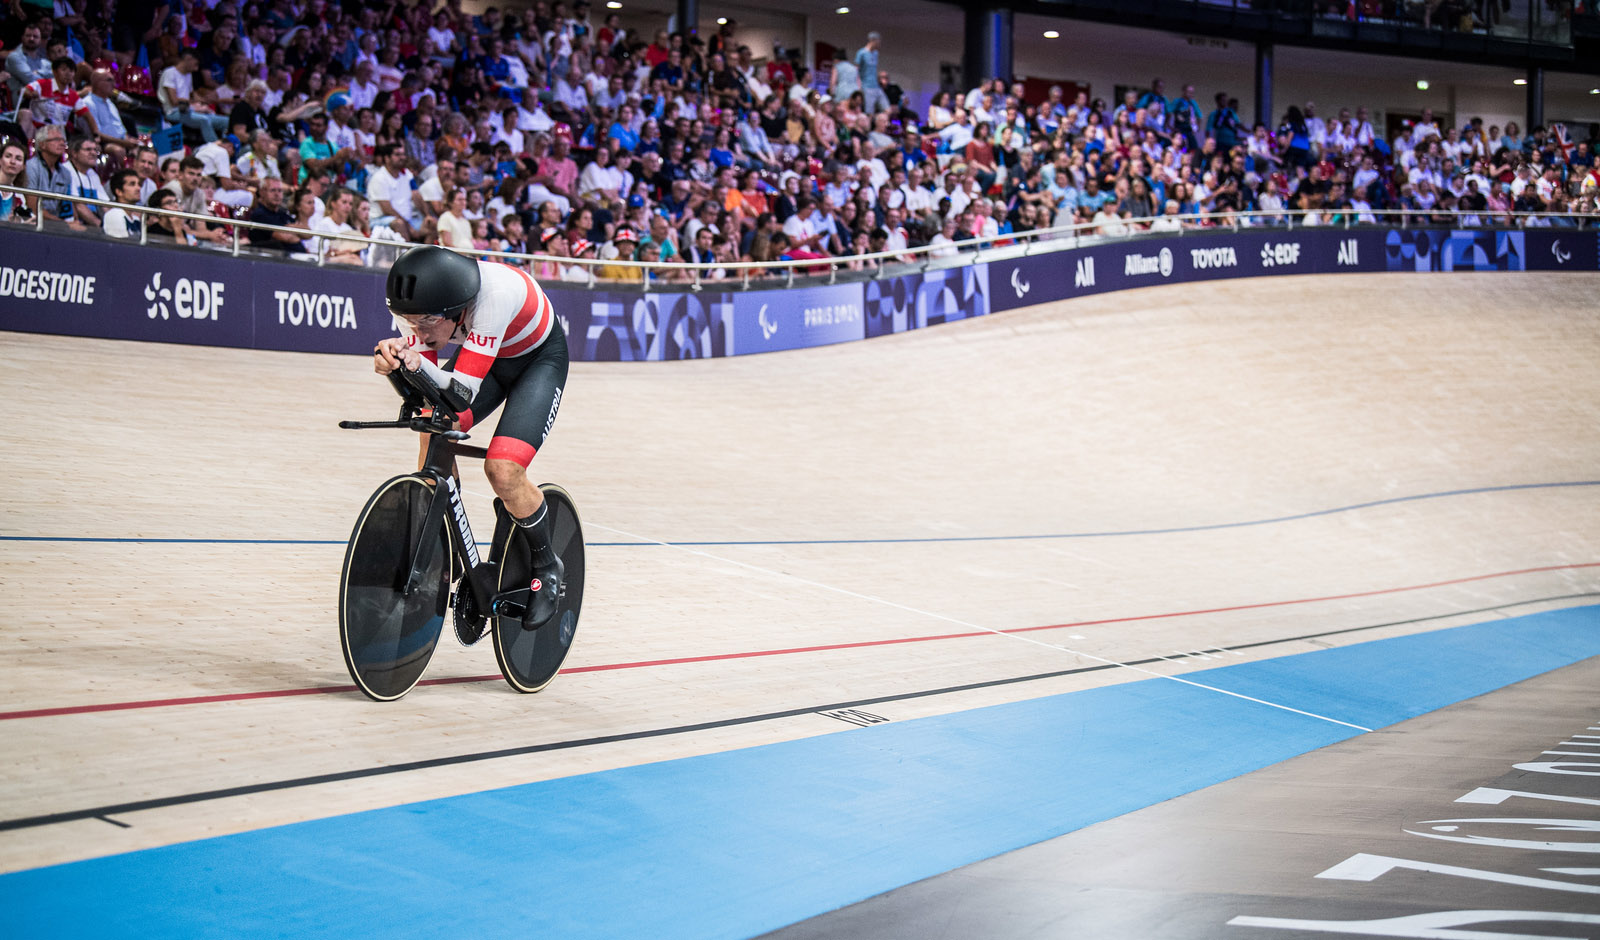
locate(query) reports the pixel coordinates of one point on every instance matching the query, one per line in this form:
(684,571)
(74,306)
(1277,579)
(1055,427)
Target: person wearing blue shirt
(873,97)
(621,130)
(1058,181)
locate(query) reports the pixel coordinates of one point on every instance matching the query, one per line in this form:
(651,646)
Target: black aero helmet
(432,281)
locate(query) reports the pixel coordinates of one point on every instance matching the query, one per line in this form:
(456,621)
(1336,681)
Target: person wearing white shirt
(364,86)
(389,189)
(802,227)
(944,242)
(873,172)
(1362,133)
(572,95)
(918,198)
(339,251)
(533,119)
(80,172)
(217,158)
(341,122)
(1425,128)
(1169,220)
(119,222)
(1317,127)
(600,181)
(958,134)
(176,89)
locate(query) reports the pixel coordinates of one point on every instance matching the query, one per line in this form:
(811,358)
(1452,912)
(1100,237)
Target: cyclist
(513,350)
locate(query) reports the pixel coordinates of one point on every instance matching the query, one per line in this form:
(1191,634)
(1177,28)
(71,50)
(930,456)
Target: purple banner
(86,287)
(1195,256)
(83,286)
(915,301)
(766,321)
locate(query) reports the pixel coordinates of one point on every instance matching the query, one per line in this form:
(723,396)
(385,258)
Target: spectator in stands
(82,155)
(177,96)
(389,187)
(28,62)
(455,230)
(47,171)
(105,116)
(269,210)
(217,161)
(188,187)
(52,100)
(13,162)
(119,222)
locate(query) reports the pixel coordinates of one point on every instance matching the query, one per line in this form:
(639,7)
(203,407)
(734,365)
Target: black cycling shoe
(544,595)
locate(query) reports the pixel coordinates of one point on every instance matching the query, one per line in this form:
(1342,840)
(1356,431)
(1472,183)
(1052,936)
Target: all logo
(189,299)
(1347,253)
(1283,253)
(1084,276)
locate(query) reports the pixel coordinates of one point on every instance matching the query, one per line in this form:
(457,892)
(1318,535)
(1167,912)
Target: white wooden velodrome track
(1179,477)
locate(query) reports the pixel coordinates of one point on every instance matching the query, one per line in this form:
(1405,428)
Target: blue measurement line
(894,541)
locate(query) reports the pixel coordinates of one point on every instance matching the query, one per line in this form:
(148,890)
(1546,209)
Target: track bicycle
(412,542)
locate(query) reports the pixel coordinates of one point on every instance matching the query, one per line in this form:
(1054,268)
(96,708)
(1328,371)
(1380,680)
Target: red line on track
(333,689)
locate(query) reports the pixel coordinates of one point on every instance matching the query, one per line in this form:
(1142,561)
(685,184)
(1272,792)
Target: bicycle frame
(446,508)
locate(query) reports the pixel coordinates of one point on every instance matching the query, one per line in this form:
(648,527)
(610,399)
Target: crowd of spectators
(549,131)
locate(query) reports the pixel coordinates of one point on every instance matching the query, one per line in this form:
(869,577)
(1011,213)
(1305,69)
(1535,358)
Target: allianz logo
(328,311)
(1283,253)
(190,299)
(1214,257)
(1149,264)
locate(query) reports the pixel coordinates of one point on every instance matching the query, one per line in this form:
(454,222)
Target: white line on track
(937,616)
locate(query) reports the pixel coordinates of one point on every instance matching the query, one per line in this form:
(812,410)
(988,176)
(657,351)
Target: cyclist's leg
(530,411)
(532,399)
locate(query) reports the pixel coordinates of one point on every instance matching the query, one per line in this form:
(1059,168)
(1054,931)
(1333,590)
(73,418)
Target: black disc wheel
(388,635)
(530,658)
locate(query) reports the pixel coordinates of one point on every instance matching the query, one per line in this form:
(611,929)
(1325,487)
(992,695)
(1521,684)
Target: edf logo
(191,300)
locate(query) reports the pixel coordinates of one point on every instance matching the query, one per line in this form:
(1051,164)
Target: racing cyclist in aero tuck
(513,350)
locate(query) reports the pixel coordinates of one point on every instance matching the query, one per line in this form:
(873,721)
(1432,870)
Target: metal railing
(904,261)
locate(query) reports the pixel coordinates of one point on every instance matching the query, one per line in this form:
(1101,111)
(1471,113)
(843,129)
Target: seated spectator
(47,171)
(945,240)
(178,102)
(166,226)
(269,210)
(105,116)
(455,230)
(1169,221)
(341,206)
(623,245)
(85,180)
(13,162)
(119,222)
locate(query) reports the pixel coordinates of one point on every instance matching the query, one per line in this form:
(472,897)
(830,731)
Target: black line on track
(119,824)
(101,812)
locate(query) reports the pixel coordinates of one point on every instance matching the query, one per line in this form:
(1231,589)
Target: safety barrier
(91,286)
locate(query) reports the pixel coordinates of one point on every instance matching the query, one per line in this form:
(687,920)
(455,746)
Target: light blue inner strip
(738,843)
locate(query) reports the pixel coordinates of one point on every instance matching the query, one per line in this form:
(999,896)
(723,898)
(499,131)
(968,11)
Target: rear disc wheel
(530,658)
